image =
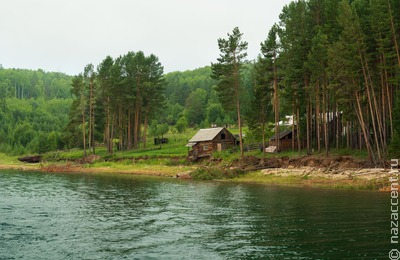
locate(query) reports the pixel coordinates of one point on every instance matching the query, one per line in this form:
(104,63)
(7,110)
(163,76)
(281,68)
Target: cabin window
(223,136)
(205,147)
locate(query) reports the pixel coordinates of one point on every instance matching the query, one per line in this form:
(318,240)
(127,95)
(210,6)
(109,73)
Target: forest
(334,65)
(34,107)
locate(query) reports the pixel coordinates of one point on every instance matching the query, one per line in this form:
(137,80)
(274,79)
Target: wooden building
(207,141)
(285,140)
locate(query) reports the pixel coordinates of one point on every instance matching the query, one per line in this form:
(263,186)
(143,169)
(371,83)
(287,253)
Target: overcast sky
(65,35)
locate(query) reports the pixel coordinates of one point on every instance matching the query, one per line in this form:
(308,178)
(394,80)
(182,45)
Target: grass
(170,159)
(258,177)
(11,162)
(7,159)
(228,155)
(156,167)
(215,173)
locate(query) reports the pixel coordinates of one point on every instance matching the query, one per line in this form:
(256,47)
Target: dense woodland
(34,107)
(332,64)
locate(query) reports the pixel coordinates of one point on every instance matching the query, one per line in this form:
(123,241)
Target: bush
(181,125)
(214,173)
(5,148)
(206,174)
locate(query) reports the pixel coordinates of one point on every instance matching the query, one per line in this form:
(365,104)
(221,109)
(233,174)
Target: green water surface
(81,216)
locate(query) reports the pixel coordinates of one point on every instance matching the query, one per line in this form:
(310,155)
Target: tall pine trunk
(276,103)
(298,129)
(137,113)
(93,129)
(90,114)
(129,130)
(146,120)
(325,119)
(370,105)
(317,117)
(236,75)
(263,122)
(364,129)
(108,130)
(84,132)
(308,123)
(120,128)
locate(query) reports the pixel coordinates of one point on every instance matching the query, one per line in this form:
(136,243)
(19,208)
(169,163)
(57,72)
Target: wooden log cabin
(207,141)
(285,140)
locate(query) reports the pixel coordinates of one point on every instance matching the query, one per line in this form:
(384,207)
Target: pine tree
(153,92)
(317,64)
(227,72)
(105,85)
(78,109)
(270,51)
(295,39)
(347,66)
(260,109)
(89,76)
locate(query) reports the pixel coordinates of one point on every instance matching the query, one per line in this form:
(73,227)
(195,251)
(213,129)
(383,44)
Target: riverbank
(336,172)
(355,179)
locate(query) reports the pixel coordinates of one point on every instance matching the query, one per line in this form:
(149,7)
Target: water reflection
(117,216)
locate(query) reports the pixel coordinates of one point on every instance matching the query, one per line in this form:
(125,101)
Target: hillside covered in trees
(332,64)
(34,107)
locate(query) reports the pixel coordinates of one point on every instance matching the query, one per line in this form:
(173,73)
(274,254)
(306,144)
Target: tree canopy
(333,65)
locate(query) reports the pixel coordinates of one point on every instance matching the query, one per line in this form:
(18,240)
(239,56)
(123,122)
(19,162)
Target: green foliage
(215,173)
(28,125)
(195,107)
(396,113)
(260,112)
(181,125)
(157,130)
(192,95)
(173,113)
(227,72)
(215,113)
(25,84)
(117,100)
(163,129)
(227,69)
(227,155)
(326,53)
(394,147)
(34,106)
(181,84)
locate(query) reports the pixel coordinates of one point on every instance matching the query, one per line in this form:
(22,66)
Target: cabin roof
(281,135)
(206,134)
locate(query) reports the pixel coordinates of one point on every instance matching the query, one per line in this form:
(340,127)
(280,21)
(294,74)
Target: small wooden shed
(207,141)
(285,140)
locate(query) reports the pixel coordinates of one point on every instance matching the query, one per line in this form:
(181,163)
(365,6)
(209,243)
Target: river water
(82,216)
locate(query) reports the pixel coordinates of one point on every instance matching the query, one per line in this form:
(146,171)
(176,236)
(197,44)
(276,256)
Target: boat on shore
(30,159)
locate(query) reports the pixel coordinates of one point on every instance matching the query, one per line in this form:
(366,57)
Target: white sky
(66,35)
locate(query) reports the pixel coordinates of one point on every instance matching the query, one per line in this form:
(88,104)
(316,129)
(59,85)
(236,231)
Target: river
(110,216)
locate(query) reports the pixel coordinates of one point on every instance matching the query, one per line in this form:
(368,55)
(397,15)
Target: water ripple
(56,216)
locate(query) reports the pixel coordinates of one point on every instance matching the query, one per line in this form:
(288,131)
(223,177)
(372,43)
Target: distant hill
(22,84)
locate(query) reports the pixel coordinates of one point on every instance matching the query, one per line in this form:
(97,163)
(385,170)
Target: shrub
(214,173)
(203,173)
